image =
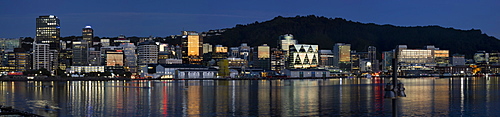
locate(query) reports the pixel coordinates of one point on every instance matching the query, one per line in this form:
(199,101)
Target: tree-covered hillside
(327,31)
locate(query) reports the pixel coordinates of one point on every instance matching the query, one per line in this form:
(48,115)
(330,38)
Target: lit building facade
(303,56)
(342,54)
(147,53)
(326,59)
(277,60)
(130,57)
(192,47)
(88,34)
(19,59)
(80,53)
(42,56)
(284,42)
(48,31)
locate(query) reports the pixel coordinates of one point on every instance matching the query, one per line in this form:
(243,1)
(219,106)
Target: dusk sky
(110,18)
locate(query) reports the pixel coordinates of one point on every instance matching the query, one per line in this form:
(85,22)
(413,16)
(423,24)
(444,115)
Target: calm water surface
(468,96)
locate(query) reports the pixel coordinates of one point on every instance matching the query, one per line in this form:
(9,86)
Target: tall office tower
(342,53)
(263,51)
(130,57)
(263,58)
(48,31)
(387,57)
(326,59)
(284,42)
(42,56)
(80,53)
(88,34)
(372,56)
(277,60)
(192,47)
(147,53)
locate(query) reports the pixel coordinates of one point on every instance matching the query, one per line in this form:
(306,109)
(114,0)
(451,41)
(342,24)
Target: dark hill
(327,31)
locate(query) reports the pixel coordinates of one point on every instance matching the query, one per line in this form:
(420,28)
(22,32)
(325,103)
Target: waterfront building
(48,31)
(342,54)
(192,47)
(303,56)
(307,73)
(80,53)
(86,69)
(169,70)
(420,61)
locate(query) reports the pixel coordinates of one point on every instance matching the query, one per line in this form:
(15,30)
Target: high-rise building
(326,58)
(80,53)
(372,56)
(342,53)
(263,51)
(277,60)
(130,57)
(48,31)
(88,34)
(147,53)
(263,57)
(192,47)
(387,57)
(284,42)
(42,56)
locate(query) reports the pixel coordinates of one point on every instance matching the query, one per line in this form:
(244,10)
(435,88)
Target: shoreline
(25,78)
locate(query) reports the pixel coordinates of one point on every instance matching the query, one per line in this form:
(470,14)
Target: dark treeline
(327,31)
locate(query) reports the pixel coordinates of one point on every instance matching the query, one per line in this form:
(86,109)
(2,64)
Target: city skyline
(138,18)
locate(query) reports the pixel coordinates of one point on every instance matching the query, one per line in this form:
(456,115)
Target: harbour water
(458,96)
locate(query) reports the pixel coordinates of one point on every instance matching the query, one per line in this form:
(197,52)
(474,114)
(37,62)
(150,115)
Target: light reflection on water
(468,96)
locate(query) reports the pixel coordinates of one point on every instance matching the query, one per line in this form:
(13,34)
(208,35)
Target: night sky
(110,18)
